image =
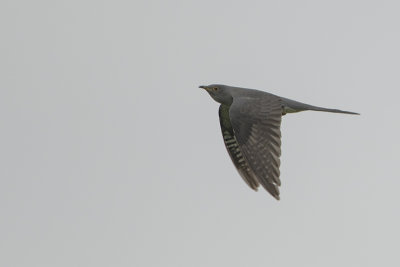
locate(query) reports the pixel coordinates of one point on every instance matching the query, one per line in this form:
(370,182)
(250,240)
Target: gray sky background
(111,156)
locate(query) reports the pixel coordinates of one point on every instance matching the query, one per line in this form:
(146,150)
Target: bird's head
(219,92)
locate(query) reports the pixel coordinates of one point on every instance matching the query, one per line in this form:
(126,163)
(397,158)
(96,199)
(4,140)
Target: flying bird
(250,123)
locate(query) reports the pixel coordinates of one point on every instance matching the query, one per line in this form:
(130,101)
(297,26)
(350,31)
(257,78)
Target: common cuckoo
(250,122)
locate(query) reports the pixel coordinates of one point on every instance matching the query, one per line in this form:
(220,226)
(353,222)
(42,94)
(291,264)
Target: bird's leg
(283,111)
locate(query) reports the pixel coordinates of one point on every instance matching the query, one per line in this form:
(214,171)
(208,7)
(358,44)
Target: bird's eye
(215,88)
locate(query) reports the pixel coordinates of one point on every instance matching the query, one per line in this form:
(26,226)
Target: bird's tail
(332,110)
(294,106)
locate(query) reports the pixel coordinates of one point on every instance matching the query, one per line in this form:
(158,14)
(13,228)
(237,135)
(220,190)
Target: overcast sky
(111,156)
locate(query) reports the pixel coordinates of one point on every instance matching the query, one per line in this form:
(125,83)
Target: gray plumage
(250,123)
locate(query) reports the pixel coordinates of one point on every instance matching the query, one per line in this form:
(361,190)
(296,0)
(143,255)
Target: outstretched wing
(233,149)
(256,125)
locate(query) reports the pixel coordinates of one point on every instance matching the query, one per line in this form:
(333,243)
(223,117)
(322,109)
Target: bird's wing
(233,149)
(256,125)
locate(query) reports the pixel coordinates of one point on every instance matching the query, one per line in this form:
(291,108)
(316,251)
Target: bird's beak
(203,87)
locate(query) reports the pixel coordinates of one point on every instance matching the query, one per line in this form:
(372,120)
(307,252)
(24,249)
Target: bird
(250,123)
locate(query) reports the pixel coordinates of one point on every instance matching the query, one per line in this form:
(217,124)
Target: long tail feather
(294,106)
(332,110)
